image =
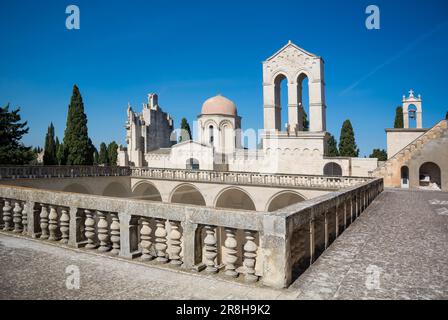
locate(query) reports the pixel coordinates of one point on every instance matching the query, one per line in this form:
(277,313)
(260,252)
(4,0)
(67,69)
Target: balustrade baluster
(25,218)
(89,224)
(65,225)
(145,243)
(211,249)
(160,240)
(115,234)
(103,232)
(7,216)
(53,224)
(231,256)
(250,255)
(17,217)
(44,222)
(175,248)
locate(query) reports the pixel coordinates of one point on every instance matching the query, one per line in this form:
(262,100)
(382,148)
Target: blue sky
(187,51)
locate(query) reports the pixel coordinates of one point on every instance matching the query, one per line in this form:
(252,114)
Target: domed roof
(219,105)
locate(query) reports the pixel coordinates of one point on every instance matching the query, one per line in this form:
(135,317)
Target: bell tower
(411,113)
(293,65)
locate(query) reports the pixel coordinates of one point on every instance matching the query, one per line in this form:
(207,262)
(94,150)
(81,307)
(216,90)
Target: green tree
(446,116)
(12,130)
(185,134)
(332,147)
(77,145)
(103,157)
(95,157)
(61,154)
(398,123)
(381,154)
(112,153)
(305,121)
(50,147)
(347,143)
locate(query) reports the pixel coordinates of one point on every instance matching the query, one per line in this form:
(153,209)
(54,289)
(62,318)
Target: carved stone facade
(150,130)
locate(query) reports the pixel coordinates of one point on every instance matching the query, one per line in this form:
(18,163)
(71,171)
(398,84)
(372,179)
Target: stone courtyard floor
(397,249)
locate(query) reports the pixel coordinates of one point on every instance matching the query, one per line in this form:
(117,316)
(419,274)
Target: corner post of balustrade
(191,245)
(313,240)
(128,235)
(32,219)
(75,236)
(276,247)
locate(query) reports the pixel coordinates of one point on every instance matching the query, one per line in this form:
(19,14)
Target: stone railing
(271,246)
(32,172)
(194,238)
(311,226)
(250,178)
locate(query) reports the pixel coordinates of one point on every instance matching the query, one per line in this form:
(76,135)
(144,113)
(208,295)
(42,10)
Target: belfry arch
(294,64)
(412,108)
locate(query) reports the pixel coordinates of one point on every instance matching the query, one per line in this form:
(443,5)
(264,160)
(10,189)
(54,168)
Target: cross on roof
(411,93)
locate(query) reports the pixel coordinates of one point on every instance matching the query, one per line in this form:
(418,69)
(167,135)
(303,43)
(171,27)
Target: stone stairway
(390,168)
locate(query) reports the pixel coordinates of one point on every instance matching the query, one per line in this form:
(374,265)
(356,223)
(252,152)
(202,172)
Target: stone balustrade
(269,246)
(250,178)
(32,172)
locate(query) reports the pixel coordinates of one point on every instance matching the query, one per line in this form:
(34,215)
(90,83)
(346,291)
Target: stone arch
(188,194)
(303,106)
(332,169)
(281,107)
(234,198)
(192,164)
(146,190)
(404,176)
(115,189)
(430,173)
(283,199)
(77,188)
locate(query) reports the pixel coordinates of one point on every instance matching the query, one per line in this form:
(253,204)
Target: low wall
(231,243)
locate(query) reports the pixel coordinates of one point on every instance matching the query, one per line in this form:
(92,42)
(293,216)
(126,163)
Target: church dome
(219,105)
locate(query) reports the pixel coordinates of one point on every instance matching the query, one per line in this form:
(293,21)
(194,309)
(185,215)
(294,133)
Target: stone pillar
(231,252)
(76,238)
(211,249)
(7,225)
(326,229)
(128,235)
(191,244)
(276,248)
(312,242)
(336,217)
(32,219)
(175,249)
(17,217)
(293,108)
(115,234)
(250,256)
(65,226)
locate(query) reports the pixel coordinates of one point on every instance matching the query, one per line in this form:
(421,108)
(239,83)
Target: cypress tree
(347,143)
(50,147)
(185,134)
(305,121)
(112,153)
(398,123)
(77,145)
(95,157)
(12,150)
(332,147)
(103,157)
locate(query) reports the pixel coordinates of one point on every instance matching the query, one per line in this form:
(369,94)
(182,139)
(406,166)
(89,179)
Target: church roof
(219,105)
(291,44)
